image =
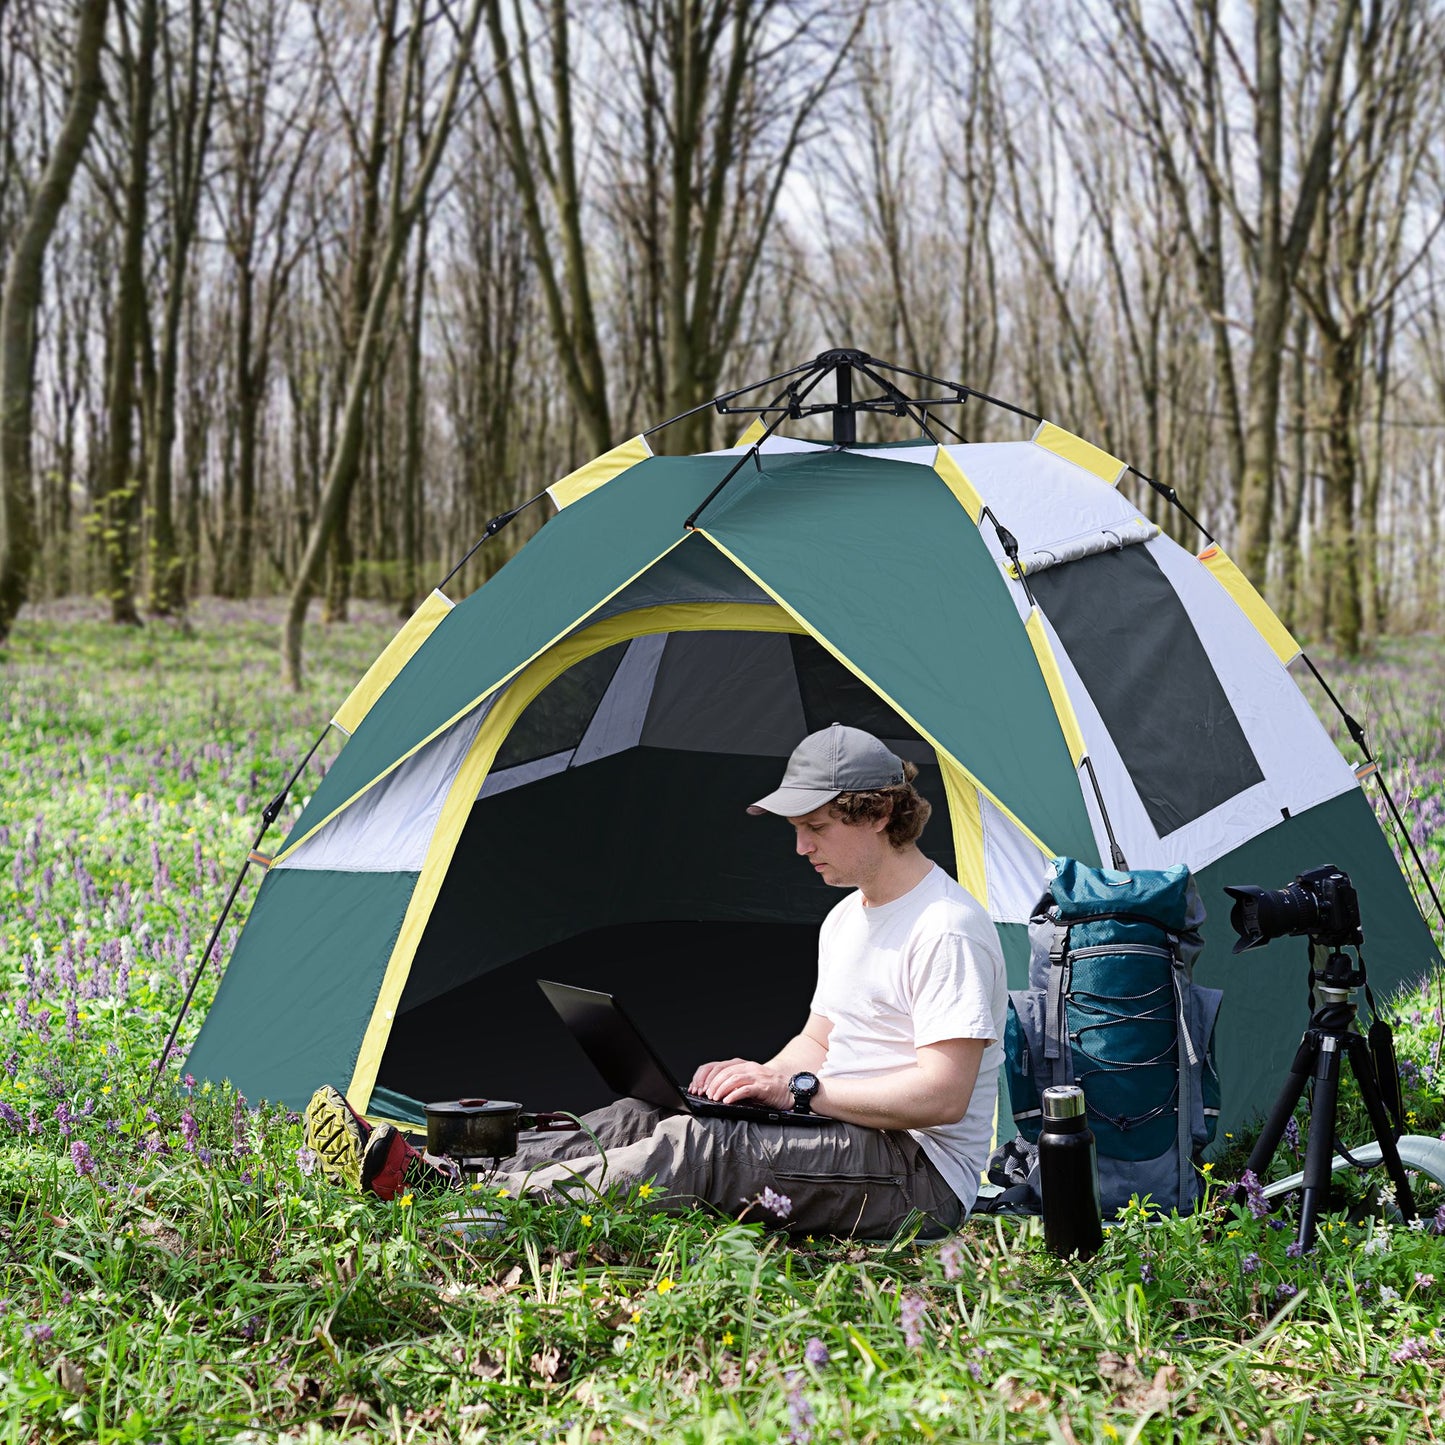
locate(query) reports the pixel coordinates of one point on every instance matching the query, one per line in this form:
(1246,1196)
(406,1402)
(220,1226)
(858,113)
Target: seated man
(900,1051)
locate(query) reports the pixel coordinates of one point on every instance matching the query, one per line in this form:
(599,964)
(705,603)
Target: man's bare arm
(737,1081)
(935,1090)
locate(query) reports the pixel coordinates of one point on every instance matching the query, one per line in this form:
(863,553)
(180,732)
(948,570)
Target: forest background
(299,293)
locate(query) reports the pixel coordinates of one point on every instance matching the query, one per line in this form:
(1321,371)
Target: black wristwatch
(803,1086)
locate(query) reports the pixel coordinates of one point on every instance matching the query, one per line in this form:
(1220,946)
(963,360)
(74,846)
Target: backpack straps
(1054,1025)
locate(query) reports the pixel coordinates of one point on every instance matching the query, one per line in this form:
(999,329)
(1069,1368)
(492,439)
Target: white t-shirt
(921,969)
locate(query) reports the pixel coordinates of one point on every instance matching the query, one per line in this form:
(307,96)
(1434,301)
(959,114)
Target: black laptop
(630,1066)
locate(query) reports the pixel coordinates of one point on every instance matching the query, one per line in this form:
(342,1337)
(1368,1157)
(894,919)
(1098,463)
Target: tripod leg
(1284,1107)
(1362,1063)
(1321,1147)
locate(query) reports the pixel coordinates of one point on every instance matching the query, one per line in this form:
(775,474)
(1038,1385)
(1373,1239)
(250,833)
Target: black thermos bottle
(1069,1175)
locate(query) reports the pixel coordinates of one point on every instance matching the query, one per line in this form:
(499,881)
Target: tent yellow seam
(1246,597)
(389,662)
(481,697)
(599,471)
(1054,680)
(938,748)
(537,675)
(967,818)
(1083,454)
(753,434)
(945,464)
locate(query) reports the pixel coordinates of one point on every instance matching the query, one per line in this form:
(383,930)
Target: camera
(1320,902)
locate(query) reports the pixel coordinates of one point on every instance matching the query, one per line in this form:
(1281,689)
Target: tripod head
(1339,976)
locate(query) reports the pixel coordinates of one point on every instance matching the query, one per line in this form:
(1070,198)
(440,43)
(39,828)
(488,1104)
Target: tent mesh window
(637,870)
(1138,654)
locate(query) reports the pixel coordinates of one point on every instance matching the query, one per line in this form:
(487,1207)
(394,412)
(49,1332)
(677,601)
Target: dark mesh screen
(556,718)
(1137,652)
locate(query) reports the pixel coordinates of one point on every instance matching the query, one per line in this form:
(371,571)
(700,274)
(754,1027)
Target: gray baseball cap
(837,760)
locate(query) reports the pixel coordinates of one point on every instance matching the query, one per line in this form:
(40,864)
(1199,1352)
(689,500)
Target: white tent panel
(388,829)
(1043,500)
(1013,865)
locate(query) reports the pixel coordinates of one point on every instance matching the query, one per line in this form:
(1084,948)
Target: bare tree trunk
(189,126)
(19,308)
(121,475)
(403,213)
(411,488)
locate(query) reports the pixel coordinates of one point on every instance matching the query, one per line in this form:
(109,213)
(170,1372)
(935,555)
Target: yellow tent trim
(1251,604)
(599,471)
(1049,666)
(1083,454)
(394,656)
(967,816)
(530,681)
(480,697)
(947,467)
(753,435)
(945,757)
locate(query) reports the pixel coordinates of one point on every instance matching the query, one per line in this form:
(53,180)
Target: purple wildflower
(1291,1134)
(976,1357)
(1249,1264)
(1286,1290)
(1254,1199)
(1424,1281)
(1416,1347)
(774,1203)
(910,1319)
(305,1160)
(1294,1249)
(190,1131)
(1437,1224)
(80,1157)
(11,1117)
(62,1117)
(1146,1271)
(42,1332)
(801,1418)
(815,1352)
(950,1256)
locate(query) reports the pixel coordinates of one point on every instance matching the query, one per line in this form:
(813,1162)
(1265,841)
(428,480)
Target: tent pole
(795,397)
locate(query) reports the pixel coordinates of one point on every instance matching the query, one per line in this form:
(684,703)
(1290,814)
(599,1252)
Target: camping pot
(483,1128)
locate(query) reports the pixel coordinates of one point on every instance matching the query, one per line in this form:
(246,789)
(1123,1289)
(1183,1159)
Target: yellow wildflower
(645,1191)
(664,1284)
(405,1201)
(636,1316)
(727,1338)
(504,1194)
(586,1221)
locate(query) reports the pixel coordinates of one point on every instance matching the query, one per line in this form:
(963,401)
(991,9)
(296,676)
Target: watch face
(804,1083)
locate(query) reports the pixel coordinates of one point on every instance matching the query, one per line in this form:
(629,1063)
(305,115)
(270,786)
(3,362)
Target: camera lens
(1262,914)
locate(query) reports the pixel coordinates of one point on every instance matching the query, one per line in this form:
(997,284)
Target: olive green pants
(835,1178)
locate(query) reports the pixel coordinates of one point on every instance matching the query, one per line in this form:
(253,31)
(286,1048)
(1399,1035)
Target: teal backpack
(1112,1006)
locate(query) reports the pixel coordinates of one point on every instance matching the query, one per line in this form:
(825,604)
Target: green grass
(169,1272)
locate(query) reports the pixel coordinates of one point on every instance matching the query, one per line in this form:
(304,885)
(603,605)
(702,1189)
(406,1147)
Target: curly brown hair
(906,809)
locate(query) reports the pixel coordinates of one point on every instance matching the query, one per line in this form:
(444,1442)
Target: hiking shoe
(384,1162)
(338,1136)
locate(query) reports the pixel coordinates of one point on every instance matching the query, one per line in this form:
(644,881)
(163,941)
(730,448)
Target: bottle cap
(1063,1101)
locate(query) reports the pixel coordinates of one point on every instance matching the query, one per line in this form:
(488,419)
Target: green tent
(548,779)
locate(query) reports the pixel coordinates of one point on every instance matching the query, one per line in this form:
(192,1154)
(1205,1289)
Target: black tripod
(1332,1032)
